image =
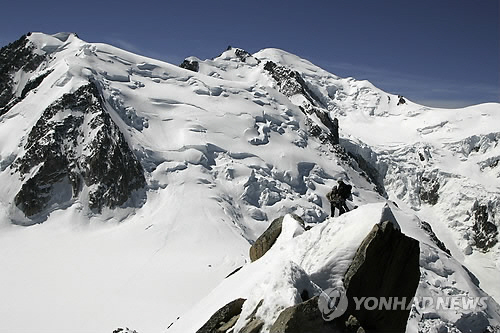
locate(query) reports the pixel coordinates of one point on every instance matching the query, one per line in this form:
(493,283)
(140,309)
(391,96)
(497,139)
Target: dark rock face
(474,323)
(386,264)
(303,317)
(124,330)
(34,83)
(429,190)
(428,229)
(291,83)
(75,142)
(192,65)
(224,318)
(268,238)
(485,232)
(253,326)
(16,56)
(242,54)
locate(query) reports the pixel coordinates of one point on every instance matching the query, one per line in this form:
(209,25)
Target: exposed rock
(386,264)
(428,229)
(222,319)
(14,57)
(124,330)
(429,190)
(243,55)
(474,323)
(352,325)
(192,65)
(268,238)
(301,318)
(254,326)
(69,154)
(234,272)
(485,232)
(291,83)
(34,83)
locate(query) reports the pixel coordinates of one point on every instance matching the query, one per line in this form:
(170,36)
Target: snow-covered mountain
(132,188)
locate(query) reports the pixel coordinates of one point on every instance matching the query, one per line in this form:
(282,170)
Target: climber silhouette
(338,196)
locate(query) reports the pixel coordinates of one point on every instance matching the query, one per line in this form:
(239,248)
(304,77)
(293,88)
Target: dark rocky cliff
(74,143)
(16,56)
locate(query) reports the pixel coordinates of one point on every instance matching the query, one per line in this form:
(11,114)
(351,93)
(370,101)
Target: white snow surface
(225,153)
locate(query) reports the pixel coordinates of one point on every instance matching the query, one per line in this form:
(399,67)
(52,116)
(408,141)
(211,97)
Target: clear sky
(437,53)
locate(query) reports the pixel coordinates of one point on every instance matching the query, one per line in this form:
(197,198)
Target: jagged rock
(192,65)
(268,238)
(428,229)
(55,145)
(352,325)
(291,83)
(474,323)
(124,330)
(14,57)
(386,264)
(222,318)
(301,318)
(429,190)
(254,326)
(234,272)
(485,232)
(34,83)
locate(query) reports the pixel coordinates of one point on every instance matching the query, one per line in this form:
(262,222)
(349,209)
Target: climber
(401,100)
(337,197)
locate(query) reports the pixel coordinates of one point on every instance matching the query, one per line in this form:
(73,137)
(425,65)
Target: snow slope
(224,153)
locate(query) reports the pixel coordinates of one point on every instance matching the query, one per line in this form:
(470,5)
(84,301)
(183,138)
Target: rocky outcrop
(34,83)
(485,232)
(303,317)
(224,318)
(191,65)
(268,238)
(124,330)
(253,326)
(16,56)
(291,83)
(386,264)
(428,229)
(75,142)
(429,188)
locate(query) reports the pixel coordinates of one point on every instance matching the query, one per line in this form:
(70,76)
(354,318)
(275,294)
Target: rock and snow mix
(225,146)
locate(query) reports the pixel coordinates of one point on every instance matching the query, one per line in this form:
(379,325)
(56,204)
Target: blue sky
(438,53)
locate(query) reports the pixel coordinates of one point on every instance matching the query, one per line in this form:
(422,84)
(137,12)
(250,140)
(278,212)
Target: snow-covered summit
(152,180)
